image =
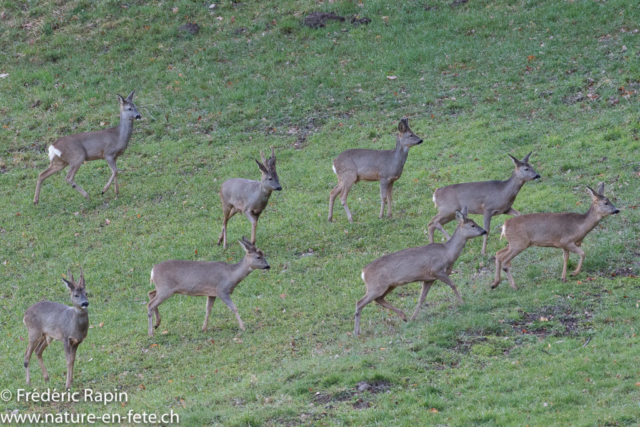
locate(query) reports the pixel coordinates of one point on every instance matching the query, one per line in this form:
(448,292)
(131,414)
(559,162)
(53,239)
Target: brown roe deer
(48,320)
(75,150)
(424,264)
(555,230)
(198,278)
(487,198)
(385,166)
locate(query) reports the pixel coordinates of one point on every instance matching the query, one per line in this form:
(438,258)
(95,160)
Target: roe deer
(556,230)
(385,166)
(108,144)
(48,320)
(424,263)
(248,197)
(198,278)
(488,198)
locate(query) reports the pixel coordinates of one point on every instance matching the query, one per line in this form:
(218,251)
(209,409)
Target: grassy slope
(478,82)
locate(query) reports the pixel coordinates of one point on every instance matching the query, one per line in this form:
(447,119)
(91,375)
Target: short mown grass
(478,81)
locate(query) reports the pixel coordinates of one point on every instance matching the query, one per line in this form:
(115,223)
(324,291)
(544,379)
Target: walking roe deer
(385,166)
(552,230)
(48,320)
(199,278)
(249,197)
(424,263)
(487,198)
(107,144)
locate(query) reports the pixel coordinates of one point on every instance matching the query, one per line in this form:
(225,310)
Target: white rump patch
(504,229)
(53,152)
(151,279)
(334,169)
(434,199)
(362,275)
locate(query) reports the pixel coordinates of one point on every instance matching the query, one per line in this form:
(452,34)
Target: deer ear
(515,161)
(601,189)
(592,192)
(261,166)
(459,216)
(463,211)
(403,126)
(245,244)
(120,99)
(69,284)
(526,158)
(130,97)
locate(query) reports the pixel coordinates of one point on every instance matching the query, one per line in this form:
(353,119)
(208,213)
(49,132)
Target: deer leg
(53,168)
(389,197)
(499,256)
(366,299)
(152,307)
(71,174)
(70,347)
(39,350)
(332,197)
(576,250)
(437,222)
(487,227)
(34,340)
(385,304)
(565,256)
(446,279)
(254,225)
(152,296)
(383,196)
(511,253)
(114,173)
(210,301)
(423,295)
(512,212)
(227,300)
(226,215)
(346,187)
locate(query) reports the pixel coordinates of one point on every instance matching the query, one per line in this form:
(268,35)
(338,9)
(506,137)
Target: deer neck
(400,155)
(81,319)
(455,244)
(591,219)
(240,271)
(513,185)
(125,129)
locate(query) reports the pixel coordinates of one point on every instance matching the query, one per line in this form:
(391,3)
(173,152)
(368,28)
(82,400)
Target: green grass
(478,82)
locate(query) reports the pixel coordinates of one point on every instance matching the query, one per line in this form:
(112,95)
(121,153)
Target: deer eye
(606,203)
(76,296)
(270,179)
(526,169)
(258,257)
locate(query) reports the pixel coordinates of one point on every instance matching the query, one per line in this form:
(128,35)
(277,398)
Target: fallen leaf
(154,345)
(101,324)
(433,410)
(175,10)
(106,221)
(283,296)
(165,332)
(392,77)
(238,340)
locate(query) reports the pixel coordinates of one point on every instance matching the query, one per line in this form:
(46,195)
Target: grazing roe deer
(108,144)
(424,263)
(385,166)
(555,230)
(249,197)
(487,198)
(198,278)
(48,320)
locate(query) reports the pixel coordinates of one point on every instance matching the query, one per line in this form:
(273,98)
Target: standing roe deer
(198,278)
(108,144)
(385,166)
(249,197)
(488,198)
(552,230)
(424,263)
(48,320)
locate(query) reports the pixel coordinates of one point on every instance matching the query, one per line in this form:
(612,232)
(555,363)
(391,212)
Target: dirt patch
(457,3)
(558,320)
(374,387)
(191,27)
(361,404)
(319,19)
(240,30)
(624,272)
(572,99)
